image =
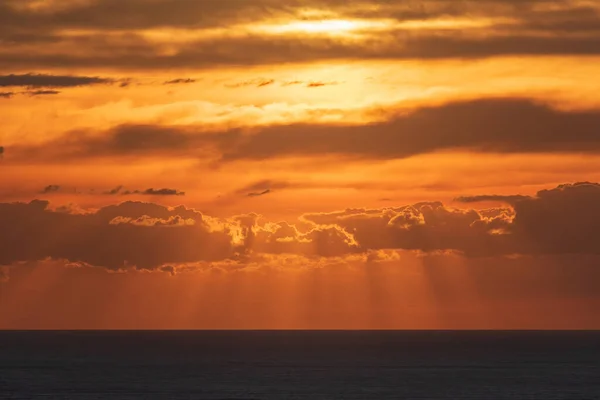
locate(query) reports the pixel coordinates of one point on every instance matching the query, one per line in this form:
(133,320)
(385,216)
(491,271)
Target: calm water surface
(300,365)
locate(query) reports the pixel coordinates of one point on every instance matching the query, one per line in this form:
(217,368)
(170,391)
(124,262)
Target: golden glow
(332,26)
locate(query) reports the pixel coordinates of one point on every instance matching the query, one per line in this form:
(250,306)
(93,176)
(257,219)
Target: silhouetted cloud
(6,95)
(563,220)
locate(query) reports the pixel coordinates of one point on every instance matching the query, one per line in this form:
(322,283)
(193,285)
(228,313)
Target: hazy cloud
(488,125)
(258,194)
(107,35)
(482,198)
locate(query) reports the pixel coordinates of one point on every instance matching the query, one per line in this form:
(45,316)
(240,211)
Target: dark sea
(300,365)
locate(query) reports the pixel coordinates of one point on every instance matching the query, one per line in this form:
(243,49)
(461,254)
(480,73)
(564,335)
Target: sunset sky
(299,164)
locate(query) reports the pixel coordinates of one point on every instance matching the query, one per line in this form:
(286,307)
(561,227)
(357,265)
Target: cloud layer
(563,220)
(113,33)
(507,125)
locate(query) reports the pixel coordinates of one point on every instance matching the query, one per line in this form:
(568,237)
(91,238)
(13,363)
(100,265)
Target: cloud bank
(563,220)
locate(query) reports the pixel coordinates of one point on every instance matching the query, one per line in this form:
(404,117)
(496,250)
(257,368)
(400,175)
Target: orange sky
(250,164)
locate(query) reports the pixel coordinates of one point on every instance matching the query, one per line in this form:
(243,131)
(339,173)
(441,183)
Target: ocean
(300,365)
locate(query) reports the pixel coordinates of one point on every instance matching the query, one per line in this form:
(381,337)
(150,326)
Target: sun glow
(329,26)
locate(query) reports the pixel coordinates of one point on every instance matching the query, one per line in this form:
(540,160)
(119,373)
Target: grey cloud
(263,187)
(489,125)
(511,199)
(114,191)
(42,92)
(257,50)
(50,81)
(258,194)
(559,221)
(564,220)
(568,29)
(180,81)
(92,239)
(163,192)
(148,192)
(51,189)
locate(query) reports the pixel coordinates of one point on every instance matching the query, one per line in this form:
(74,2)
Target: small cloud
(6,95)
(319,84)
(114,191)
(290,83)
(162,192)
(265,83)
(50,81)
(179,81)
(169,270)
(257,194)
(499,198)
(261,82)
(51,189)
(42,92)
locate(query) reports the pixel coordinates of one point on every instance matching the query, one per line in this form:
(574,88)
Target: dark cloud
(180,81)
(44,92)
(263,187)
(564,220)
(6,95)
(258,194)
(50,189)
(559,221)
(498,198)
(258,50)
(163,192)
(114,191)
(50,81)
(37,233)
(534,29)
(119,190)
(489,125)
